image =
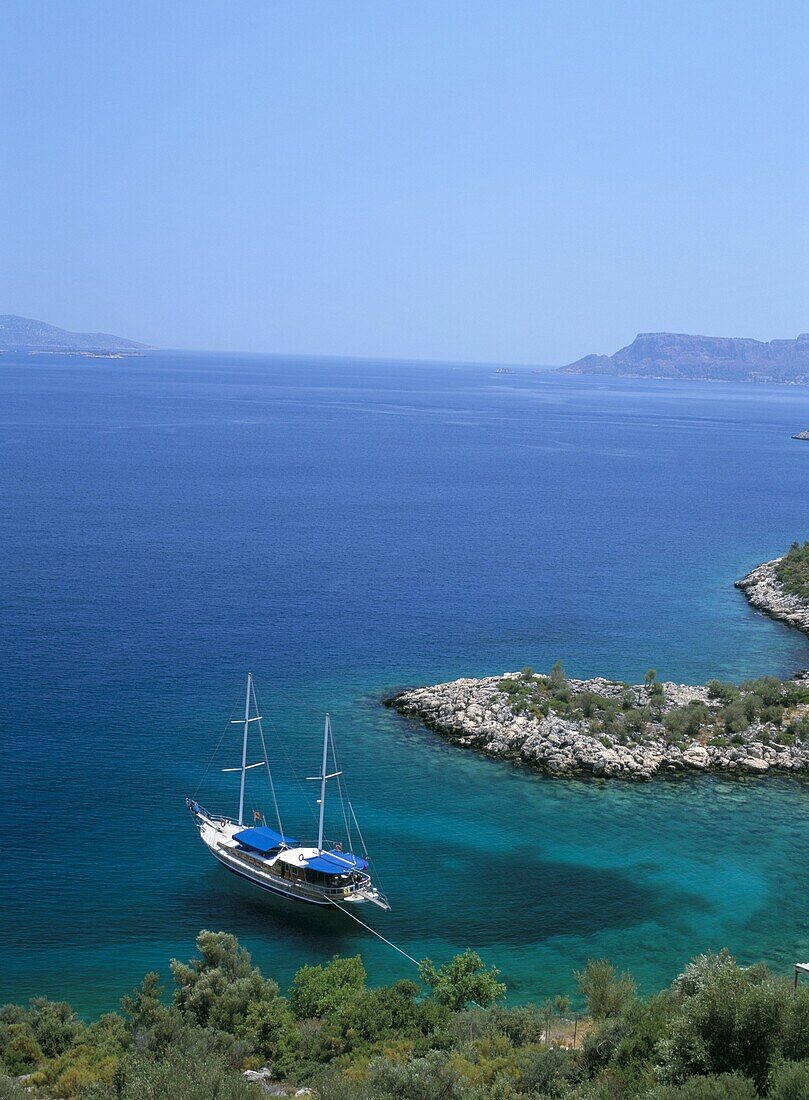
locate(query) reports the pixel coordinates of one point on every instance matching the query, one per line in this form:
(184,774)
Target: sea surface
(344,528)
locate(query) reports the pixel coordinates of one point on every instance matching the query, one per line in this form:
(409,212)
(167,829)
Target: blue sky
(515,182)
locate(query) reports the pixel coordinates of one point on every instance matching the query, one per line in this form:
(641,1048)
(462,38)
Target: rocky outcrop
(269,1086)
(801,435)
(478,714)
(765,592)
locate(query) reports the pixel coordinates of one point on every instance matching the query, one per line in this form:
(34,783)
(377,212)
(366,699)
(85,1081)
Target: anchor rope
(374,932)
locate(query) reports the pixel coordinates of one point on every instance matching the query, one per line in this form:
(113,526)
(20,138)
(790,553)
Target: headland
(611,729)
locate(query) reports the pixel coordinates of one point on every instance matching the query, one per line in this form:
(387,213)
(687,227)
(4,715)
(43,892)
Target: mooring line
(375,933)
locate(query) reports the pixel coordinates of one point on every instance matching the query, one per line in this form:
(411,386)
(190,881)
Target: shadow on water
(528,900)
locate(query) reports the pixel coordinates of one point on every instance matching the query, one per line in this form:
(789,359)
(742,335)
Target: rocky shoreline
(765,592)
(481,714)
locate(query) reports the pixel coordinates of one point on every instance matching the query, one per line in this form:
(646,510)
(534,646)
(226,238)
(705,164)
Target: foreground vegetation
(720,1032)
(793,571)
(775,710)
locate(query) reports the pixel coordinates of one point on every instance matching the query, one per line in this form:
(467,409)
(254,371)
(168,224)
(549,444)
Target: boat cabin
(329,870)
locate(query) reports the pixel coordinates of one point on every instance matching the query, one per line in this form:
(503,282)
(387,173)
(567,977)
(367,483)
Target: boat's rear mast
(323,777)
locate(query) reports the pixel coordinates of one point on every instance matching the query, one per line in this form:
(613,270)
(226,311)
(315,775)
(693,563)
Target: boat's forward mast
(251,704)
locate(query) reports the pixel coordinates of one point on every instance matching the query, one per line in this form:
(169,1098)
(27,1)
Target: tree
(271,1031)
(650,677)
(54,1024)
(557,677)
(323,990)
(143,1006)
(217,989)
(21,1052)
(702,970)
(739,1021)
(462,981)
(606,992)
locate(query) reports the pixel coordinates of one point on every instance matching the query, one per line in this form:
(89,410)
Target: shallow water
(344,528)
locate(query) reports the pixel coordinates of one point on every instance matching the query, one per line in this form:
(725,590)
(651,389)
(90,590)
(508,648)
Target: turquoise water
(345,528)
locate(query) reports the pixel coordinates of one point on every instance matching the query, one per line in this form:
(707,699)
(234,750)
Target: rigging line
(305,796)
(269,769)
(374,932)
(359,830)
(280,741)
(343,798)
(377,875)
(349,838)
(214,753)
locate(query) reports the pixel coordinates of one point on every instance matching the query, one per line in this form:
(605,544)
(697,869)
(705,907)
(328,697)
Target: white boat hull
(217,836)
(271,888)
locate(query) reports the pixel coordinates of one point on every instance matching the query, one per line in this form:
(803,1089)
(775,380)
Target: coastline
(479,714)
(609,729)
(765,592)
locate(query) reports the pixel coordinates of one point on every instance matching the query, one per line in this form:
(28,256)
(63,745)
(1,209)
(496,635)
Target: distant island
(715,358)
(802,435)
(25,334)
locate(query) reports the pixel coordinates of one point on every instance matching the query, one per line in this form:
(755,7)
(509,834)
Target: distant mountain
(23,334)
(676,355)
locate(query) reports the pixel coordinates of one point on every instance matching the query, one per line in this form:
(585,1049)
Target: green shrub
(738,1021)
(54,1024)
(428,1078)
(270,1029)
(722,692)
(12,1090)
(798,729)
(322,990)
(21,1052)
(726,1086)
(547,1071)
(793,570)
(735,717)
(145,1077)
(789,1081)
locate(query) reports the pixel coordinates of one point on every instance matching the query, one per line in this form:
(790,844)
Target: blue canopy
(336,863)
(262,839)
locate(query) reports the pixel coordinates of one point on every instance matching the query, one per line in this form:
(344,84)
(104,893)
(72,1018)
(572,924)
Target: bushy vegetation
(793,570)
(719,1032)
(772,707)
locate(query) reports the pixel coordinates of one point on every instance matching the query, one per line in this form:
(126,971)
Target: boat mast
(244,744)
(323,778)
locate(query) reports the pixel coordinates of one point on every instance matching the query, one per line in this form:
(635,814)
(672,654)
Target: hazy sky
(504,181)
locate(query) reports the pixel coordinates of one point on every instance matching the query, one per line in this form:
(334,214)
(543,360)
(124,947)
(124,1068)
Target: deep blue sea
(343,528)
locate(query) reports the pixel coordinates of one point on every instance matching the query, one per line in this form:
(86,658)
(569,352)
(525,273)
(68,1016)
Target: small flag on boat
(256,815)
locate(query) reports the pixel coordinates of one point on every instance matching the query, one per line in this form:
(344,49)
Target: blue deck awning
(262,839)
(336,863)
